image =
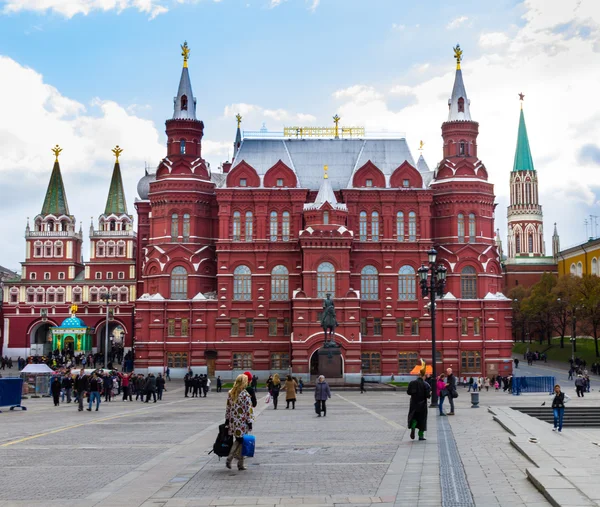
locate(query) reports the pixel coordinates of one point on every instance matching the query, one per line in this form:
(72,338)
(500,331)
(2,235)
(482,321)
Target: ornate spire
(458,103)
(523,160)
(238,136)
(116,204)
(55,202)
(184,103)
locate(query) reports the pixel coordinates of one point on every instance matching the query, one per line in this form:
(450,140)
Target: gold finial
(336,120)
(117,151)
(238,117)
(185,52)
(325,169)
(421,144)
(56,150)
(458,55)
(73,310)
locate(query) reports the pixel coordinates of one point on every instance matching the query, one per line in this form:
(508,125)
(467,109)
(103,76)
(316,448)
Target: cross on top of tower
(238,117)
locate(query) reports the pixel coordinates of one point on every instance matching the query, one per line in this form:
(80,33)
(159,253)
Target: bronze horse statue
(328,320)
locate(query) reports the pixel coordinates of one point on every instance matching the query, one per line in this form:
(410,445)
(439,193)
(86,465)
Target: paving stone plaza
(137,454)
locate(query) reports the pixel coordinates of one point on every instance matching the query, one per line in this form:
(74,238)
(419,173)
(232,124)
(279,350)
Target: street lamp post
(573,334)
(107,298)
(432,288)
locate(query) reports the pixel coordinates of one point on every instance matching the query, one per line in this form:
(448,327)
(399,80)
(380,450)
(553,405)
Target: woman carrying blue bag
(239,416)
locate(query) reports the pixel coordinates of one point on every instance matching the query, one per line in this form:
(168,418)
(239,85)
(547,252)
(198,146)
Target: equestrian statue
(328,321)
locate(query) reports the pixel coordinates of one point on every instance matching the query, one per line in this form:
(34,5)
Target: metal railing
(532,385)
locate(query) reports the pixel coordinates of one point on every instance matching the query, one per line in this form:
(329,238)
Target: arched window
(112,225)
(400,226)
(518,242)
(374,226)
(461,228)
(468,283)
(573,269)
(186,227)
(412,226)
(50,226)
(64,225)
(325,280)
(407,284)
(248,226)
(280,283)
(579,269)
(182,147)
(273,226)
(242,284)
(184,102)
(179,278)
(595,266)
(461,149)
(174,226)
(363,226)
(237,225)
(461,105)
(58,249)
(528,192)
(326,218)
(530,242)
(369,283)
(472,229)
(285,226)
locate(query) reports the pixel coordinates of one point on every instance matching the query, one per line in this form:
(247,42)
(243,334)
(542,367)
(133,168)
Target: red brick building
(233,266)
(54,275)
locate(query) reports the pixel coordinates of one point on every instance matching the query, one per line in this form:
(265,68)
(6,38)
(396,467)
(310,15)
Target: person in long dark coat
(419,392)
(55,388)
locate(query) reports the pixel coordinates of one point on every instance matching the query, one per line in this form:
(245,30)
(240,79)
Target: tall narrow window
(363,326)
(530,242)
(414,327)
(518,243)
(461,149)
(186,227)
(287,328)
(185,324)
(369,283)
(249,226)
(273,326)
(374,226)
(326,218)
(412,226)
(280,283)
(325,280)
(179,278)
(472,230)
(594,266)
(377,326)
(174,226)
(237,226)
(182,147)
(464,326)
(363,226)
(461,228)
(476,326)
(235,327)
(400,327)
(461,105)
(407,284)
(242,283)
(273,226)
(249,327)
(184,102)
(400,226)
(468,283)
(285,226)
(171,327)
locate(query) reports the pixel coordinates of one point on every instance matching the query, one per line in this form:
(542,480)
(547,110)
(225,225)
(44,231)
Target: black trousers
(126,392)
(56,399)
(275,400)
(153,394)
(293,402)
(322,407)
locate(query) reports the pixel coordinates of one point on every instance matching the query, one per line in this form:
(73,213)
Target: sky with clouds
(90,74)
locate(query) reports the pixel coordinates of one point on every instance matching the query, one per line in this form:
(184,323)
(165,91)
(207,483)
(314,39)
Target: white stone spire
(459,104)
(185,102)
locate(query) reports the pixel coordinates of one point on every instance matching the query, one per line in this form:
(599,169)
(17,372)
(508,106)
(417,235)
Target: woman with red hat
(250,390)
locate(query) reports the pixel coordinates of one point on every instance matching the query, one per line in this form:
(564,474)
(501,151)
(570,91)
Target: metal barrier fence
(532,385)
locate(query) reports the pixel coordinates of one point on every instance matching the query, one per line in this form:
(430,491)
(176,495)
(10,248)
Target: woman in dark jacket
(55,388)
(322,394)
(558,407)
(275,388)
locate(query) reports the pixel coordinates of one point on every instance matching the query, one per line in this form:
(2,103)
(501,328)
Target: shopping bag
(268,399)
(248,444)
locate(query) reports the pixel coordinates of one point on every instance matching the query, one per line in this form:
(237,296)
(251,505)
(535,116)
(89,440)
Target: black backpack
(223,443)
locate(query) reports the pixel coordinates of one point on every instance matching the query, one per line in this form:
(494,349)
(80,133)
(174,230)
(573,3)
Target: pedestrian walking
(219,384)
(107,384)
(56,387)
(516,362)
(580,386)
(81,382)
(486,384)
(451,386)
(67,385)
(480,384)
(419,392)
(125,381)
(168,374)
(471,381)
(204,383)
(239,418)
(558,407)
(187,380)
(275,388)
(442,392)
(322,394)
(151,388)
(95,387)
(300,386)
(160,386)
(251,391)
(290,392)
(362,384)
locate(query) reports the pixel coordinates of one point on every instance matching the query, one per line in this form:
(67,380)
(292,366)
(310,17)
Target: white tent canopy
(37,368)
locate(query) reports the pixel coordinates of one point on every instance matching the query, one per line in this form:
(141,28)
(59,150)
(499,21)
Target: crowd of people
(68,359)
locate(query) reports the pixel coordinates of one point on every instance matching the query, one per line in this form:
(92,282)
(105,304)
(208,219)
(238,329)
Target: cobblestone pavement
(138,454)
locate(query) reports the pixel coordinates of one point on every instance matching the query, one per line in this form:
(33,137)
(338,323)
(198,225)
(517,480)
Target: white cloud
(252,113)
(313,5)
(70,8)
(398,27)
(491,39)
(560,110)
(275,3)
(456,22)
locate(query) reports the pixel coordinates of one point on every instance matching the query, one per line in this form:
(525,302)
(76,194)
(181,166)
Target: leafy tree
(568,295)
(518,295)
(540,306)
(589,304)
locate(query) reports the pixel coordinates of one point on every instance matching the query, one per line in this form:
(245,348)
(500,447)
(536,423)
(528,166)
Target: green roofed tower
(523,160)
(116,203)
(55,202)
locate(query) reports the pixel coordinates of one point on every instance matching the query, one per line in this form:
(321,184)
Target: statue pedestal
(330,362)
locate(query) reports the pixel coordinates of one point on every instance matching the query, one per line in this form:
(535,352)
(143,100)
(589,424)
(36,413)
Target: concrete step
(573,417)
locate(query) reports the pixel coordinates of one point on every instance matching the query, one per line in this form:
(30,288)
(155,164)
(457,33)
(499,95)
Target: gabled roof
(523,160)
(115,203)
(422,166)
(325,195)
(55,202)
